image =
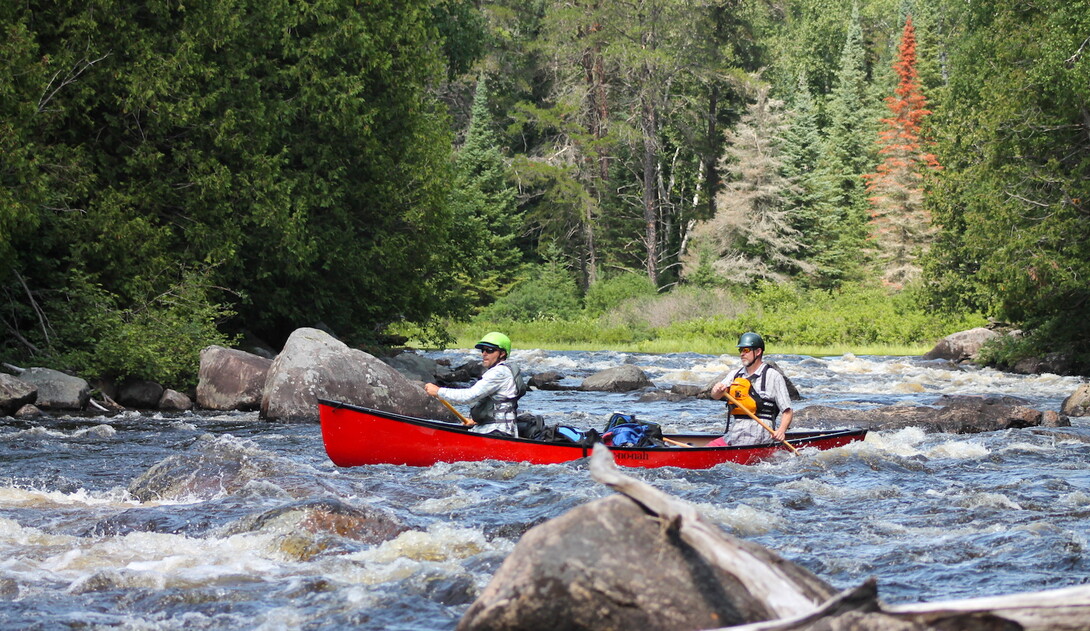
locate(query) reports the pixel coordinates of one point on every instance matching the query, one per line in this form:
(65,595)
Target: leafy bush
(553,294)
(609,293)
(159,340)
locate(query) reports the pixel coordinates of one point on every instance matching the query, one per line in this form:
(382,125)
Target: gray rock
(547,380)
(611,562)
(57,390)
(961,346)
(314,364)
(141,394)
(961,415)
(418,367)
(643,560)
(174,401)
(617,379)
(212,467)
(230,379)
(14,394)
(1078,402)
(28,411)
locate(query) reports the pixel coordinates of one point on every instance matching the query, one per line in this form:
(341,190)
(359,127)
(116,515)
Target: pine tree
(901,226)
(485,211)
(753,233)
(811,199)
(848,144)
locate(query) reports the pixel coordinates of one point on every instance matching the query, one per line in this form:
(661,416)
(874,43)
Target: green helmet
(751,340)
(495,340)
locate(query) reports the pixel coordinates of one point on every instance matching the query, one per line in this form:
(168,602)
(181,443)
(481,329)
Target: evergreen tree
(485,211)
(901,225)
(290,152)
(849,143)
(811,199)
(1012,199)
(754,233)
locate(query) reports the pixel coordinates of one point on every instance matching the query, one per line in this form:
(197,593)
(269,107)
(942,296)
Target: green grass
(861,320)
(467,338)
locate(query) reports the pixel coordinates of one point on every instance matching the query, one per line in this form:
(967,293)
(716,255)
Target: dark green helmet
(751,340)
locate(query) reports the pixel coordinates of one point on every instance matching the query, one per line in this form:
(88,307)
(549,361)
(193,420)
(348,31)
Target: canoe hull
(355,436)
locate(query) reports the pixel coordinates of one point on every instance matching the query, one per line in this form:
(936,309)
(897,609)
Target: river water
(931,516)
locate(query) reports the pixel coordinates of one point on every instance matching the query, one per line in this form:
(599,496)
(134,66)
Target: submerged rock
(955,415)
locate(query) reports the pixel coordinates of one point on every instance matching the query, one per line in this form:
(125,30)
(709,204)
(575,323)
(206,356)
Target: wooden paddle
(461,418)
(670,441)
(753,416)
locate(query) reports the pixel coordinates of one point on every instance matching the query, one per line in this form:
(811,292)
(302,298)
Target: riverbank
(859,320)
(467,338)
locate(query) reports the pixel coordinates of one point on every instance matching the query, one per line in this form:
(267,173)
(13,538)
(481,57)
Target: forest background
(652,174)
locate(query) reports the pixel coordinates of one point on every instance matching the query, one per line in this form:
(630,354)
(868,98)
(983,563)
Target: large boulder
(419,368)
(230,379)
(961,346)
(314,364)
(1078,403)
(14,394)
(623,378)
(57,390)
(643,560)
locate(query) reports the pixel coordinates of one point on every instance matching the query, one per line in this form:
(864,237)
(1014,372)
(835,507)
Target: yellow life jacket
(741,390)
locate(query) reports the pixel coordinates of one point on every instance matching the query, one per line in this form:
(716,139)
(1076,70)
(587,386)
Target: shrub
(547,296)
(159,339)
(609,293)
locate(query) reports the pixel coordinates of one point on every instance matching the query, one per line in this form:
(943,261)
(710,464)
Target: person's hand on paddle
(718,389)
(433,390)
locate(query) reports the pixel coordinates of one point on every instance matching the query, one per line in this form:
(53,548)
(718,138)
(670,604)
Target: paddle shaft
(753,416)
(675,443)
(450,407)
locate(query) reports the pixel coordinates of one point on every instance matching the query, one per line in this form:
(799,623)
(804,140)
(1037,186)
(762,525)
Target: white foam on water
(987,500)
(13,535)
(149,560)
(743,520)
(902,442)
(15,496)
(444,505)
(442,545)
(32,433)
(1075,499)
(957,449)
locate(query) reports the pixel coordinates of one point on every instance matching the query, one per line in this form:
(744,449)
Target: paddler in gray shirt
(768,394)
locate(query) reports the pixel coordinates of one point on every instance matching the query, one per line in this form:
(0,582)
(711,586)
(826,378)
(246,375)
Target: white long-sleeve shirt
(497,382)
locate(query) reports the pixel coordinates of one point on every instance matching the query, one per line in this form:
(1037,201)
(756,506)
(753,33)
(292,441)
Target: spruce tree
(485,211)
(753,233)
(812,196)
(849,142)
(901,226)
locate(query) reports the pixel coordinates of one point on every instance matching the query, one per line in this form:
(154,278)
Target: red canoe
(356,436)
